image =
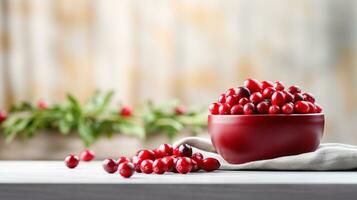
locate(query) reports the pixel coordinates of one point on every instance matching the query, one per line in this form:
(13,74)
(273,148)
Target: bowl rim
(268,115)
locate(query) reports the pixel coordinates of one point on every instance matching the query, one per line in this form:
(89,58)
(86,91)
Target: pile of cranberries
(264,97)
(158,161)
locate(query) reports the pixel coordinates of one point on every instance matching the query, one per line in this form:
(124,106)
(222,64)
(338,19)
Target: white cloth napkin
(328,156)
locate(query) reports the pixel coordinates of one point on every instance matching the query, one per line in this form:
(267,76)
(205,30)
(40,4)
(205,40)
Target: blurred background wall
(186,49)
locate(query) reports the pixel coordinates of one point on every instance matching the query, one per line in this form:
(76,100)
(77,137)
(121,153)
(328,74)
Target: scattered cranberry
(230,92)
(137,161)
(298,97)
(122,159)
(71,161)
(288,97)
(243,101)
(301,107)
(126,169)
(278,98)
(159,166)
(195,166)
(268,92)
(169,163)
(198,157)
(183,165)
(318,108)
(185,150)
(249,109)
(274,109)
(224,109)
(3,115)
(146,166)
(213,108)
(87,155)
(110,166)
(256,97)
(126,111)
(253,85)
(309,97)
(146,154)
(232,100)
(222,98)
(287,108)
(165,150)
(237,110)
(279,86)
(267,84)
(294,89)
(180,110)
(210,164)
(242,92)
(41,104)
(263,107)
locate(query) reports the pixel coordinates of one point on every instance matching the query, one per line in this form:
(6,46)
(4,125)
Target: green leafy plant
(97,118)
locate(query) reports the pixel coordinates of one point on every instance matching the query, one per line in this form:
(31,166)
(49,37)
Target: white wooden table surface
(53,180)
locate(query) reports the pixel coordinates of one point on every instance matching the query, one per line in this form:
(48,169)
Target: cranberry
(195,166)
(180,110)
(243,101)
(309,97)
(169,163)
(210,164)
(312,108)
(87,155)
(267,84)
(126,169)
(279,85)
(237,110)
(159,166)
(137,161)
(274,109)
(249,109)
(278,98)
(298,97)
(165,150)
(176,152)
(232,100)
(222,98)
(198,157)
(288,97)
(185,150)
(213,108)
(183,165)
(301,107)
(224,109)
(110,165)
(268,92)
(287,108)
(263,107)
(122,159)
(71,161)
(146,154)
(294,89)
(3,115)
(242,92)
(256,97)
(253,85)
(41,104)
(318,108)
(126,111)
(230,92)
(146,166)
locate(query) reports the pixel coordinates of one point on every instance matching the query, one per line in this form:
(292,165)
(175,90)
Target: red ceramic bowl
(245,138)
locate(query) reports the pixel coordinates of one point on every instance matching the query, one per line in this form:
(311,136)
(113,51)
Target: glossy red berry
(183,165)
(287,108)
(222,98)
(288,97)
(110,166)
(230,92)
(210,164)
(298,97)
(146,154)
(165,150)
(278,98)
(256,97)
(198,157)
(185,150)
(253,85)
(232,100)
(122,159)
(146,166)
(267,84)
(243,101)
(224,109)
(126,169)
(294,89)
(279,85)
(308,97)
(312,108)
(274,109)
(301,107)
(41,104)
(249,109)
(180,110)
(169,163)
(126,111)
(242,92)
(159,166)
(263,107)
(237,110)
(87,155)
(71,161)
(268,92)
(195,166)
(137,161)
(318,108)
(214,108)
(3,115)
